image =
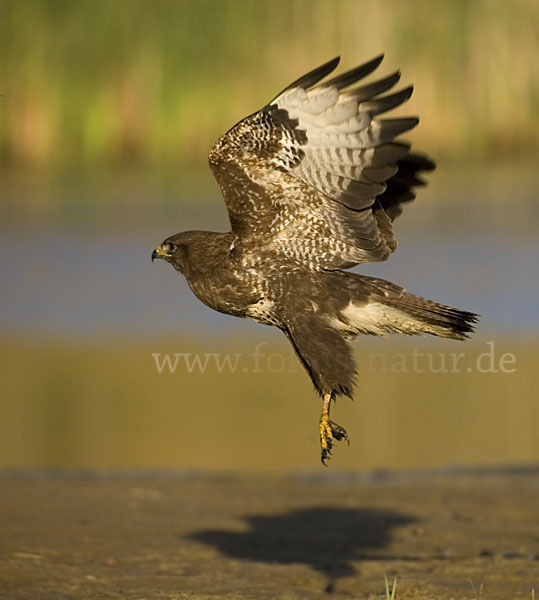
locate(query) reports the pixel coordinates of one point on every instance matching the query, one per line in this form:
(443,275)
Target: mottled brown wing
(316,175)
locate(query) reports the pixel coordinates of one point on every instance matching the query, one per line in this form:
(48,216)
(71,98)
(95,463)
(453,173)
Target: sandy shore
(172,535)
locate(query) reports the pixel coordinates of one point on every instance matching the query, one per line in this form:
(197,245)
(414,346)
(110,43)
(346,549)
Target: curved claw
(326,454)
(338,433)
(330,431)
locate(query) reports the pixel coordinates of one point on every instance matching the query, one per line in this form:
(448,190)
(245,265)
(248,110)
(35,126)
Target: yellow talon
(328,430)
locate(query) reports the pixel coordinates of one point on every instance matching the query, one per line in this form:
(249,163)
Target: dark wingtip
(417,161)
(354,75)
(393,127)
(377,59)
(408,91)
(311,78)
(314,76)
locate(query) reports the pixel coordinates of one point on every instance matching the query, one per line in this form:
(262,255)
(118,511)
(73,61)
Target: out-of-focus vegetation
(154,83)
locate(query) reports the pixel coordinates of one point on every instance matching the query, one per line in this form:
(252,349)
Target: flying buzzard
(312,183)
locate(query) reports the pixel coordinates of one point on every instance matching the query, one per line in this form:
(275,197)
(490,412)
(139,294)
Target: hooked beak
(158,253)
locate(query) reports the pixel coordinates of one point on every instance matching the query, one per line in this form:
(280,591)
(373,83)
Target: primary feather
(302,176)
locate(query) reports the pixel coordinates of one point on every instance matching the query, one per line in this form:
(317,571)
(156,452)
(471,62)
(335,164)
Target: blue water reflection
(76,281)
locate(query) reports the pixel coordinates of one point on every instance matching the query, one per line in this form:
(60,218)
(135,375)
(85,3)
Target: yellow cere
(159,250)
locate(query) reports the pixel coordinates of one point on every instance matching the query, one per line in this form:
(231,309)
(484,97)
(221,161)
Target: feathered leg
(327,358)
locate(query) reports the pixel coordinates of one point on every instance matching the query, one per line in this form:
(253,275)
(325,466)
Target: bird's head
(192,252)
(174,251)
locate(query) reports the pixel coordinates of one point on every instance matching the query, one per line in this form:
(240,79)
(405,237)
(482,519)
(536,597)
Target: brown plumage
(312,183)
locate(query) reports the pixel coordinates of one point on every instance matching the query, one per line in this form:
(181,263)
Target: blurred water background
(107,114)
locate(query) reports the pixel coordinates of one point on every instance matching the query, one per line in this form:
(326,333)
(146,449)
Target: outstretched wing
(316,175)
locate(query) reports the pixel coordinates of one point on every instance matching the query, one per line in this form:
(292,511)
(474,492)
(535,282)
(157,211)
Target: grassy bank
(156,82)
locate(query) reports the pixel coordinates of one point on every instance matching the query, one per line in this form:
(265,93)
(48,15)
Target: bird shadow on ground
(328,539)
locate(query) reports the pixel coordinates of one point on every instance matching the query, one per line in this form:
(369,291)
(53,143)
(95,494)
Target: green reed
(154,83)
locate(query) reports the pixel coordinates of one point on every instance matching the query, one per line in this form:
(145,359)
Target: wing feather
(354,75)
(372,90)
(315,175)
(314,76)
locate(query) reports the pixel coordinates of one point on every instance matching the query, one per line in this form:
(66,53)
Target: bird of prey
(312,183)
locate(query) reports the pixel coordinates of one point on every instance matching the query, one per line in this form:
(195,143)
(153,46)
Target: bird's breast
(227,290)
(263,311)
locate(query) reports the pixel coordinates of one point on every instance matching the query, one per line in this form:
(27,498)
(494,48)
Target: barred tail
(379,307)
(435,318)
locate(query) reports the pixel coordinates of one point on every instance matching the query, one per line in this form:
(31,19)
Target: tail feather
(435,318)
(379,307)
